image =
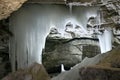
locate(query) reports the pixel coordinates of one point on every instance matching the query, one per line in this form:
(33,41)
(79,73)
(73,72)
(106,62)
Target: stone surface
(8,6)
(34,72)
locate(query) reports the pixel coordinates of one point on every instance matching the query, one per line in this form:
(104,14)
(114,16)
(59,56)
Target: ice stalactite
(30,26)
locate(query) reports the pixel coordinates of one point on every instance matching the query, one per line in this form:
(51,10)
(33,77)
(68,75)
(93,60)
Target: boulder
(57,53)
(68,52)
(34,72)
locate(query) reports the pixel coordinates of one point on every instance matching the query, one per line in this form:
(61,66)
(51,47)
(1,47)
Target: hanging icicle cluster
(30,26)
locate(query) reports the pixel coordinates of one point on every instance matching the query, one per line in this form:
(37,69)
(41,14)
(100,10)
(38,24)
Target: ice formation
(30,26)
(62,68)
(105,40)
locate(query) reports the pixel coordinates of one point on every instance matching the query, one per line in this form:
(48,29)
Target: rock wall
(5,66)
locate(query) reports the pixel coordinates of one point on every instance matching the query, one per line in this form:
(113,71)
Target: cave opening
(58,36)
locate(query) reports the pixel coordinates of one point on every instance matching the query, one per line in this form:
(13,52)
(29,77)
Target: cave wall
(5,66)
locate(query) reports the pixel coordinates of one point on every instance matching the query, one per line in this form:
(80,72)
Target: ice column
(105,40)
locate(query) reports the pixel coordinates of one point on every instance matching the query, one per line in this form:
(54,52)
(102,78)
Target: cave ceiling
(59,1)
(8,6)
(109,8)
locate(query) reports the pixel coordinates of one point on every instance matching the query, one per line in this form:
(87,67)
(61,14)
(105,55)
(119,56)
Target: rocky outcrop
(34,72)
(107,69)
(8,6)
(99,73)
